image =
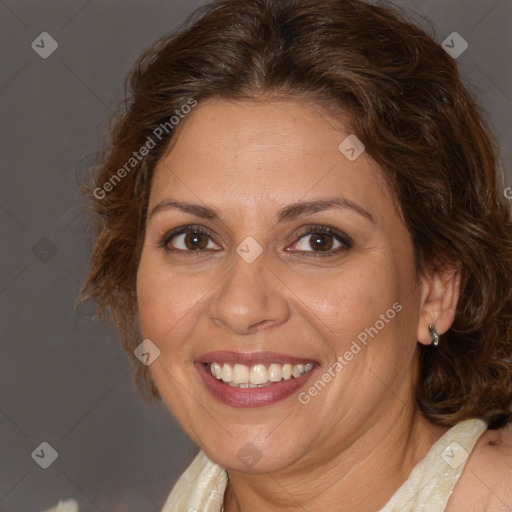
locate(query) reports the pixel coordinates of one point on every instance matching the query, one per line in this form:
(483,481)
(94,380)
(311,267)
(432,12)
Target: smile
(253,379)
(258,375)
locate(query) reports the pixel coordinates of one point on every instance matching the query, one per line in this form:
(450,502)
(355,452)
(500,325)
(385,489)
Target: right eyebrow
(194,209)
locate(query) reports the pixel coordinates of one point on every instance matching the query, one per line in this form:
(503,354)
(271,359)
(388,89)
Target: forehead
(244,153)
(232,129)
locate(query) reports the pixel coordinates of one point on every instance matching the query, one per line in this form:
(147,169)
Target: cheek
(162,302)
(344,303)
(168,299)
(160,299)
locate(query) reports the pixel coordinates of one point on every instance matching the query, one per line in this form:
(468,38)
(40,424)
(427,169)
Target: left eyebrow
(287,213)
(304,208)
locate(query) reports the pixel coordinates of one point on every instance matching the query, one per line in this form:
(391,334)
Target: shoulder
(485,484)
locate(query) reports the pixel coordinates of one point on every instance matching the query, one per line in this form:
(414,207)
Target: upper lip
(250,358)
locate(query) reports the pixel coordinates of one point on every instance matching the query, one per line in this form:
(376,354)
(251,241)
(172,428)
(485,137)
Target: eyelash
(336,234)
(310,230)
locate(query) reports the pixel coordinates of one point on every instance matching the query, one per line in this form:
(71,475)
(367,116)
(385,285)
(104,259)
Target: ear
(439,298)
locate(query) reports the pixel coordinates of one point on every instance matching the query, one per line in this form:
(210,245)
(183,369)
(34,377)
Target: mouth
(258,375)
(253,379)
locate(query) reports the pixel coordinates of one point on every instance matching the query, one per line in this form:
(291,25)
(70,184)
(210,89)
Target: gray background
(65,379)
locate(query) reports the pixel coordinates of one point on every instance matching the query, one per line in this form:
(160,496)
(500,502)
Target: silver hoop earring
(434,335)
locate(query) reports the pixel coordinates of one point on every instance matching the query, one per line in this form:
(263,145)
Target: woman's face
(274,278)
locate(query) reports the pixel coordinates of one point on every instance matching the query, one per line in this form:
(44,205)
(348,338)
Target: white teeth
(297,370)
(275,372)
(308,366)
(258,375)
(226,373)
(240,374)
(216,369)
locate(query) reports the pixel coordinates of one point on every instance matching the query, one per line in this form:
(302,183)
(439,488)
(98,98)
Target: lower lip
(251,397)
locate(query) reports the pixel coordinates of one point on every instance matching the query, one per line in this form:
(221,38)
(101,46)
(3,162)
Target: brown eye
(195,241)
(321,239)
(189,239)
(321,242)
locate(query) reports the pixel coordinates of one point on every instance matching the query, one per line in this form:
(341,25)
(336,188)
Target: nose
(249,299)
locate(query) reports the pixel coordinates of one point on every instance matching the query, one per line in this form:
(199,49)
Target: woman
(301,216)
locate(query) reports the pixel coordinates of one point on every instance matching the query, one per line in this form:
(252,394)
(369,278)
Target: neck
(383,454)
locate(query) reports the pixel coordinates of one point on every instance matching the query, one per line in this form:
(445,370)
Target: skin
(246,160)
(486,482)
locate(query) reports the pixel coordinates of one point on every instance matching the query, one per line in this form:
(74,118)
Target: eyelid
(180,230)
(340,236)
(309,229)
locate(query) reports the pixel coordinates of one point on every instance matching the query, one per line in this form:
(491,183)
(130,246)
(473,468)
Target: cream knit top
(429,486)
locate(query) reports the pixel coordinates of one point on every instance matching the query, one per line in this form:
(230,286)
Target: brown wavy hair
(408,105)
